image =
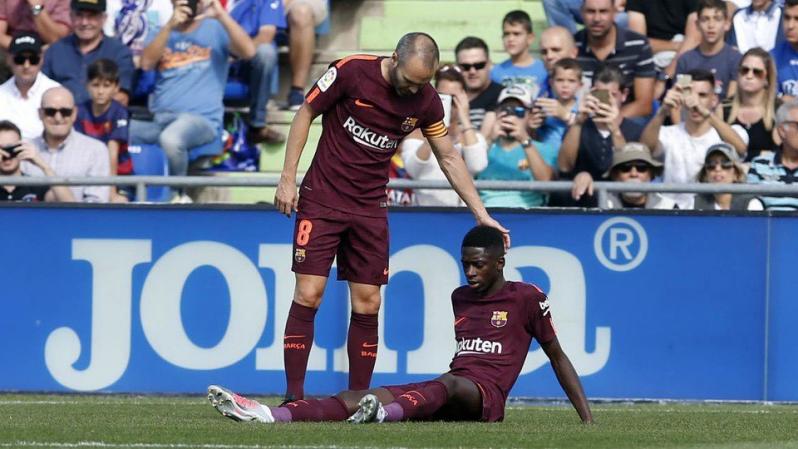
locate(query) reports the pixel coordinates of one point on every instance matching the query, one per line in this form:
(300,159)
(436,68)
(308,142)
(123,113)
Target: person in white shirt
(23,92)
(684,146)
(757,25)
(417,153)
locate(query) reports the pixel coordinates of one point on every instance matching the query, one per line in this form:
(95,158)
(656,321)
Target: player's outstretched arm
(456,172)
(285,198)
(569,380)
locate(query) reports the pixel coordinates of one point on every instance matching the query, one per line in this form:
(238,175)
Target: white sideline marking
(102,402)
(101,444)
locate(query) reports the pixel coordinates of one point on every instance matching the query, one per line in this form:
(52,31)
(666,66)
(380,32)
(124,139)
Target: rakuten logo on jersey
(477,346)
(369,138)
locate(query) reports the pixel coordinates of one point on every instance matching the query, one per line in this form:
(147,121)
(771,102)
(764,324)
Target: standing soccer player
(495,322)
(368,105)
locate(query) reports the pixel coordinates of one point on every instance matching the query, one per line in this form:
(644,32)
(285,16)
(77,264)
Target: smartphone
(192,4)
(602,95)
(684,80)
(446,99)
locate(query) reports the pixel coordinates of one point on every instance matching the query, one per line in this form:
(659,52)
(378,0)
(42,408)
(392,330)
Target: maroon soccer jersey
(493,334)
(363,120)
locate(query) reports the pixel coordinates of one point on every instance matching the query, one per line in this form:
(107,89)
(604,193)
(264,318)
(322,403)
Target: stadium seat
(151,160)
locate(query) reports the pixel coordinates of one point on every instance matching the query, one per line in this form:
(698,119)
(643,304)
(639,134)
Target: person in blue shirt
(786,53)
(260,19)
(191,54)
(521,67)
(66,60)
(513,155)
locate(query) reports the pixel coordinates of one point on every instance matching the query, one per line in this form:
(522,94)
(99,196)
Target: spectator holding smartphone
(513,155)
(13,151)
(597,131)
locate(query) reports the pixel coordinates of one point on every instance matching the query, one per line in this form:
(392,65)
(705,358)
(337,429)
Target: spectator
(417,152)
(260,19)
(753,107)
(13,151)
(685,145)
(758,25)
(521,67)
(780,167)
(131,21)
(191,56)
(722,166)
(69,152)
(670,26)
(514,155)
(106,120)
(66,60)
(49,19)
(567,13)
(597,132)
(473,57)
(713,53)
(786,53)
(601,41)
(25,88)
(632,164)
(303,18)
(555,43)
(560,111)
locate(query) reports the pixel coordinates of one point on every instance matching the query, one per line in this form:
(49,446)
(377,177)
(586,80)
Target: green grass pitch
(70,421)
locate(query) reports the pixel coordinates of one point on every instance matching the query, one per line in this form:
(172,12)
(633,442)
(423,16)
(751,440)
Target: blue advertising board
(160,299)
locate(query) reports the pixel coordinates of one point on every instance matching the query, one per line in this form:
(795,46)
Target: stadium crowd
(675,91)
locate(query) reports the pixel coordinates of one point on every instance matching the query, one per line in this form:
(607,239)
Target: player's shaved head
(485,237)
(418,45)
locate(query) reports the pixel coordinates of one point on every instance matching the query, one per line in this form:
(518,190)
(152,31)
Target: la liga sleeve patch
(327,79)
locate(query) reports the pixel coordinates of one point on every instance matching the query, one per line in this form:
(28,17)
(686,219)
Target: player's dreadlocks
(485,237)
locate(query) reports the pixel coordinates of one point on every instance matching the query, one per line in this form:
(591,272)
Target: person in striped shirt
(780,167)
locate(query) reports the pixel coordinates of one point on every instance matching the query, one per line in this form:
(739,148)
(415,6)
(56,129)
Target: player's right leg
(317,234)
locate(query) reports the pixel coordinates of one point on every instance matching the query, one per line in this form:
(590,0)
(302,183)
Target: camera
(12,150)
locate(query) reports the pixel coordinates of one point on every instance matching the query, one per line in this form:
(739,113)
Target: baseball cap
(519,92)
(633,151)
(725,149)
(90,5)
(25,42)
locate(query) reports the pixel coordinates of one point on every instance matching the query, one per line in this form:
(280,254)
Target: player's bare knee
(308,295)
(367,304)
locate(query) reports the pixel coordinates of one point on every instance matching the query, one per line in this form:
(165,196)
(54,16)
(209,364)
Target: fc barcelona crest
(499,318)
(409,124)
(299,255)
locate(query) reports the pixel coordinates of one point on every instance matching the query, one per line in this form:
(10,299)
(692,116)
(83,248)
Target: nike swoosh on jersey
(459,320)
(362,104)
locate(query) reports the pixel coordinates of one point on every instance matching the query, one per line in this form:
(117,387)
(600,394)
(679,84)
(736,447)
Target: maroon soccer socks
(297,341)
(362,349)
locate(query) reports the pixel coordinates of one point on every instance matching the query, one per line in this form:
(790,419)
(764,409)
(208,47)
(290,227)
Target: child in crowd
(106,119)
(521,68)
(560,112)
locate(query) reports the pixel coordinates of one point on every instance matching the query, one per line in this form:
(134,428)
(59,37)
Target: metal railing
(601,188)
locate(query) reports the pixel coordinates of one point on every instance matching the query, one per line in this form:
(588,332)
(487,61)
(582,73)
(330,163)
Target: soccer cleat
(238,408)
(370,409)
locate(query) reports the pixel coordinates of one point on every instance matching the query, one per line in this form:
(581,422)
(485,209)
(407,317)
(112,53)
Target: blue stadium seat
(150,159)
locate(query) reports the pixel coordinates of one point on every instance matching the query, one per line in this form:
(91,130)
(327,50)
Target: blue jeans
(176,133)
(567,13)
(260,70)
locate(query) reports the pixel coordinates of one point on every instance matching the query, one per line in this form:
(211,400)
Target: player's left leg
(363,261)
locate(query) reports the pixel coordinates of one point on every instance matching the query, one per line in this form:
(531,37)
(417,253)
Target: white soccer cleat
(238,408)
(370,409)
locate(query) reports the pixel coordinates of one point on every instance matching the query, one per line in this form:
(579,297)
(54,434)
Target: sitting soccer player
(491,349)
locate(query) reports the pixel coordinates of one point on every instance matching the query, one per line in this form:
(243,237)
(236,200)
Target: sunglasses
(475,66)
(51,112)
(726,165)
(518,111)
(33,59)
(759,73)
(450,68)
(641,167)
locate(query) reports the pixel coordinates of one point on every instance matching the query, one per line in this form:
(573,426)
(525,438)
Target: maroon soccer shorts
(359,242)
